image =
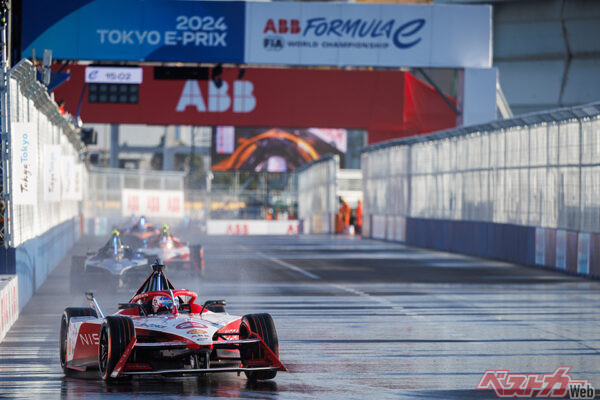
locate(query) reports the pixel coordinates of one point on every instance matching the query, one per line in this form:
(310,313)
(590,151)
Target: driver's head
(116,242)
(161,304)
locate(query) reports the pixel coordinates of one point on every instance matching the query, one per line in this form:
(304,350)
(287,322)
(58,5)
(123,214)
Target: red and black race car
(163,331)
(175,254)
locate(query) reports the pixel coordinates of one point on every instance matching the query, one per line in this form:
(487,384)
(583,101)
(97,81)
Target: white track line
(293,267)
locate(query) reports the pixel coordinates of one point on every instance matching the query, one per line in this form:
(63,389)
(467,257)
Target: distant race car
(113,264)
(163,331)
(172,252)
(135,233)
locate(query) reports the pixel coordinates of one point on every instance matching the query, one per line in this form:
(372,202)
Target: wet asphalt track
(356,319)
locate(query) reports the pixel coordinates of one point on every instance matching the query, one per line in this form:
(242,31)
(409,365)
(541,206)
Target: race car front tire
(263,326)
(64,331)
(115,334)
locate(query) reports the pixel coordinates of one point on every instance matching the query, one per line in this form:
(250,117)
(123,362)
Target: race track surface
(356,319)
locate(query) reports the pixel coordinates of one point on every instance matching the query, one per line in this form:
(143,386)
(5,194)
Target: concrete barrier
(33,260)
(9,303)
(570,251)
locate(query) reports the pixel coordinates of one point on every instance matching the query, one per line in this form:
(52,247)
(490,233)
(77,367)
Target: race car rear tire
(76,278)
(197,257)
(115,334)
(263,326)
(64,330)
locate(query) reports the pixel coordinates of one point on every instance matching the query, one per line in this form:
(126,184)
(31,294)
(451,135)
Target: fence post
(5,234)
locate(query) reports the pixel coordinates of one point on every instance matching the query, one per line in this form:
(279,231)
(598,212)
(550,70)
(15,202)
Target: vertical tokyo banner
(25,169)
(135,30)
(52,173)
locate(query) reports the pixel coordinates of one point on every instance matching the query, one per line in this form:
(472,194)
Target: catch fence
(540,171)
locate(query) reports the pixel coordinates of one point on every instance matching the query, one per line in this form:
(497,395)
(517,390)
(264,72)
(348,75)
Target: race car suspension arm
(117,371)
(94,304)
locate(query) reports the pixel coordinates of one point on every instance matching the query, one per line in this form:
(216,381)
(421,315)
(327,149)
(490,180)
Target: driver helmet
(117,245)
(164,233)
(161,303)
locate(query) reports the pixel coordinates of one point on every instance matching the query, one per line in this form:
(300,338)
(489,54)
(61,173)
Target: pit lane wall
(43,183)
(524,190)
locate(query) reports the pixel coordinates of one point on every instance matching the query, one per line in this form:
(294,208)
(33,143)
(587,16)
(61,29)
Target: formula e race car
(168,248)
(163,331)
(135,233)
(112,265)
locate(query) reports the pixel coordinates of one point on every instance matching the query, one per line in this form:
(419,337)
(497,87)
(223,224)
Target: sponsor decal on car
(196,332)
(151,325)
(89,339)
(559,384)
(190,325)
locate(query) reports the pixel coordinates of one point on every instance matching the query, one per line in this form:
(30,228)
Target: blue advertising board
(135,30)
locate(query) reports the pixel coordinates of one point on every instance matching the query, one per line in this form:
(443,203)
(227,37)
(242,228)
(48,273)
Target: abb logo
(282,26)
(219,99)
(237,229)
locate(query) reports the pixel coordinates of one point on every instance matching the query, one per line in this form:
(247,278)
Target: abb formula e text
(162,330)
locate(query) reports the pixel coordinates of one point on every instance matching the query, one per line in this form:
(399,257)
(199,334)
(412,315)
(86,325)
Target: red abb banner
(374,100)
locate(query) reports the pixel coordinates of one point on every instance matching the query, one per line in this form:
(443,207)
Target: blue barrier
(506,242)
(33,260)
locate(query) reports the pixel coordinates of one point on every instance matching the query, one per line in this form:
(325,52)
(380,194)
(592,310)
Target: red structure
(389,104)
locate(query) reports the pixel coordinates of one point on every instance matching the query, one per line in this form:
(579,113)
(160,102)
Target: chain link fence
(538,170)
(116,194)
(317,194)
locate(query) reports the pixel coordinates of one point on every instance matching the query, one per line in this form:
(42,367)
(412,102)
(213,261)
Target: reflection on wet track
(355,318)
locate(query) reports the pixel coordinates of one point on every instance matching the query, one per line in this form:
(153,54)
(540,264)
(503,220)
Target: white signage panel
(152,203)
(68,177)
(131,75)
(78,182)
(306,33)
(252,227)
(52,173)
(24,163)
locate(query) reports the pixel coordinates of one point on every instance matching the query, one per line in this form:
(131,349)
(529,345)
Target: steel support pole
(4,126)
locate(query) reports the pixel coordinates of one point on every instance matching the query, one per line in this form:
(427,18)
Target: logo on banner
(219,99)
(273,43)
(24,163)
(154,203)
(52,173)
(343,32)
